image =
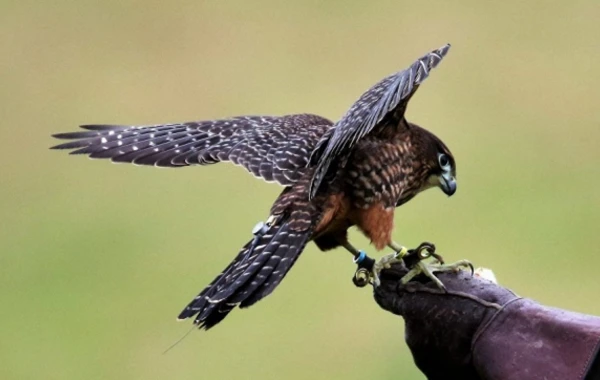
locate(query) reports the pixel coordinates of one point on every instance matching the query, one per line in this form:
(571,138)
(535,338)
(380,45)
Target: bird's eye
(444,161)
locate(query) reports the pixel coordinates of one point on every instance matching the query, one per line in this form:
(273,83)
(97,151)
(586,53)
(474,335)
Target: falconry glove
(479,330)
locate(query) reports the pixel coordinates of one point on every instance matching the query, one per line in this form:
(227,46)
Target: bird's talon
(376,282)
(438,258)
(472,268)
(428,270)
(385,262)
(361,277)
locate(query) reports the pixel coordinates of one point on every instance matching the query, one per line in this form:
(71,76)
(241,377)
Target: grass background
(98,259)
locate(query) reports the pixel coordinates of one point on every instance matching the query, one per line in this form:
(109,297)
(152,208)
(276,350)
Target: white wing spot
(104,140)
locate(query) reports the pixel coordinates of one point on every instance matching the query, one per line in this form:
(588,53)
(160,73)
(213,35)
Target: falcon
(353,172)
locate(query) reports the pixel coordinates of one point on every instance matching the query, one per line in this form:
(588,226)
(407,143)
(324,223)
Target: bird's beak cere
(447,183)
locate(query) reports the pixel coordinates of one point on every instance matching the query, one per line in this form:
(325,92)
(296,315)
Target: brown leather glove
(479,330)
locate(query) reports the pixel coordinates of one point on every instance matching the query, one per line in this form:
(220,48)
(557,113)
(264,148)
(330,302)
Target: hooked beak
(448,184)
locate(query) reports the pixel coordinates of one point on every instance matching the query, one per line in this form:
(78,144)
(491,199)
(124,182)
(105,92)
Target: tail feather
(274,278)
(256,262)
(258,279)
(294,242)
(200,302)
(253,275)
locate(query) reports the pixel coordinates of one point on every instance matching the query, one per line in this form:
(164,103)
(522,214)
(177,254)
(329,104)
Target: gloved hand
(479,330)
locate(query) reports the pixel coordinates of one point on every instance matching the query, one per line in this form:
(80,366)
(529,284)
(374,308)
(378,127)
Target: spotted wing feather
(273,148)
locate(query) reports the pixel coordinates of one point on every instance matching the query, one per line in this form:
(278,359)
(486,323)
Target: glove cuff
(525,340)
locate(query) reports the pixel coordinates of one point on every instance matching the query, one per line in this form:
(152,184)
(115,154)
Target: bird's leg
(371,268)
(365,264)
(350,248)
(398,248)
(425,251)
(386,261)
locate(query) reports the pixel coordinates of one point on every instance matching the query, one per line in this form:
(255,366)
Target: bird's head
(443,174)
(437,162)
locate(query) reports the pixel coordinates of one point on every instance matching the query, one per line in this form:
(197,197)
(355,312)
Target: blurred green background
(97,259)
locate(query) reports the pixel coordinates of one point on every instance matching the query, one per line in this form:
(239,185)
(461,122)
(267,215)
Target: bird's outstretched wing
(389,95)
(274,148)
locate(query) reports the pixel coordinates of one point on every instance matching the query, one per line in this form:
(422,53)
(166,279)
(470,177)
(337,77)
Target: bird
(335,175)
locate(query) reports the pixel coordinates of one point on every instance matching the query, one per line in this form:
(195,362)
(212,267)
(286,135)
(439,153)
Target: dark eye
(444,161)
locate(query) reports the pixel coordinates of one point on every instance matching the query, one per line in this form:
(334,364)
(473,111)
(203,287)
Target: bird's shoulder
(379,148)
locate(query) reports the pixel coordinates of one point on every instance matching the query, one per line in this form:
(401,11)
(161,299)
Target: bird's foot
(438,265)
(368,269)
(385,262)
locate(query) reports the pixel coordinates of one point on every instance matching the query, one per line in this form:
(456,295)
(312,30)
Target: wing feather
(389,95)
(273,148)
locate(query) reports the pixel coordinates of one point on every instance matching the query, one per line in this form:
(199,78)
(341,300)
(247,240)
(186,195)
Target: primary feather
(275,148)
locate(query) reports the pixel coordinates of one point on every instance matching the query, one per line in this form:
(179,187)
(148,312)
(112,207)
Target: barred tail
(254,273)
